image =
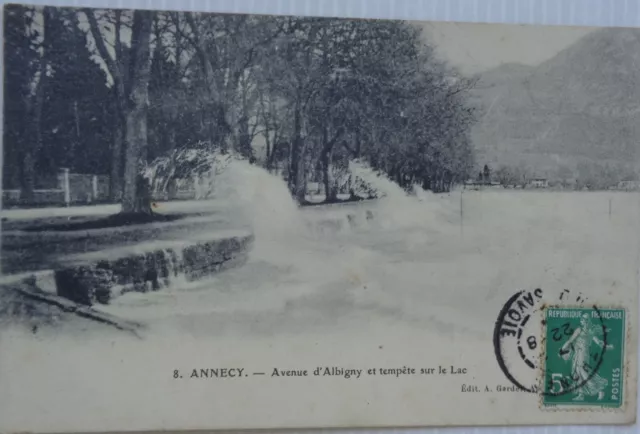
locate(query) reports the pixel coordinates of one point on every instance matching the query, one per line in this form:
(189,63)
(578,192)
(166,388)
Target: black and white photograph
(299,222)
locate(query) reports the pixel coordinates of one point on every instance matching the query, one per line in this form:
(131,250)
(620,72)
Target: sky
(474,48)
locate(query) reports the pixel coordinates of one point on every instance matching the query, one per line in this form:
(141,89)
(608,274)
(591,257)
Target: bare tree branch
(110,62)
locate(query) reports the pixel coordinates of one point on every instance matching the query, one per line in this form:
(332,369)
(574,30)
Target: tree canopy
(106,91)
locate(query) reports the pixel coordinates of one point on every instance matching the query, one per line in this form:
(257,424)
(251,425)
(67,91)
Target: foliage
(185,164)
(299,96)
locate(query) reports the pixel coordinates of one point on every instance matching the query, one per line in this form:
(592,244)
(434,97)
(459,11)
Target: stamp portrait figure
(577,349)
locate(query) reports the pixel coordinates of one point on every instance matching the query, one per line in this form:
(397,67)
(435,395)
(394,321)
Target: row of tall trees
(105,91)
(58,111)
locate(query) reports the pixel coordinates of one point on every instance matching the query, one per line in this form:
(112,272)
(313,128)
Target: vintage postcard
(217,221)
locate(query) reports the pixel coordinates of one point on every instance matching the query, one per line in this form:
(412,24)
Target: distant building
(629,185)
(539,183)
(473,184)
(476,185)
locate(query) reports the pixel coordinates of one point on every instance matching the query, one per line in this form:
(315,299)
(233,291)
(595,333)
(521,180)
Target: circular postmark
(516,339)
(521,349)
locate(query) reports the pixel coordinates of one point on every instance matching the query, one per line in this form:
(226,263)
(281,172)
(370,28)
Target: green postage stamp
(584,357)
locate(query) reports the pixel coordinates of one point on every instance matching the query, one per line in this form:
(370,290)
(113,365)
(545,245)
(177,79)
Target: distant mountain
(583,105)
(504,75)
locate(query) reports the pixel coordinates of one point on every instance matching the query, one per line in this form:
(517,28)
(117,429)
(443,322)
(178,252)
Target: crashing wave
(192,169)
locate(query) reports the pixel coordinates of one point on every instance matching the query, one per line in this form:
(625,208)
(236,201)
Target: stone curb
(73,308)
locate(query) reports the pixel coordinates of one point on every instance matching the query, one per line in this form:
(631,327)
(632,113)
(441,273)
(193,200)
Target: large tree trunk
(426,183)
(326,156)
(34,142)
(297,170)
(115,180)
(35,103)
(331,194)
(244,138)
(116,67)
(275,147)
(136,198)
(267,144)
(27,178)
(295,151)
(301,173)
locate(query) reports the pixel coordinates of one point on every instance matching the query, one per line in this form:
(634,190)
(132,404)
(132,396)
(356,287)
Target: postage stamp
(583,359)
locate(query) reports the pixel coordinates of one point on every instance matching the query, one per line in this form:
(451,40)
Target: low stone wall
(24,251)
(94,266)
(98,277)
(339,219)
